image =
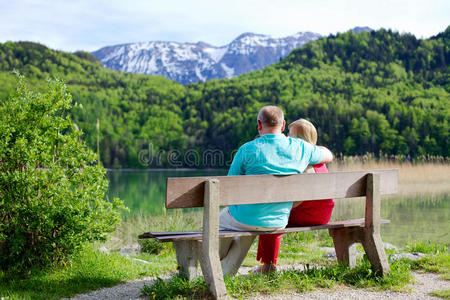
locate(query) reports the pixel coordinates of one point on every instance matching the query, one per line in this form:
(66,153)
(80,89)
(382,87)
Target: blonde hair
(271,116)
(303,129)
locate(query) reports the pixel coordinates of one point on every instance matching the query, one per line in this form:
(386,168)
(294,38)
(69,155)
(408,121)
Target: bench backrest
(183,192)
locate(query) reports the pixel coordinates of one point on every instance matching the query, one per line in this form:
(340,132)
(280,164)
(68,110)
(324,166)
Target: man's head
(270,120)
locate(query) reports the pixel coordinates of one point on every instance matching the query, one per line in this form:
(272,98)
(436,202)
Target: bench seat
(197,235)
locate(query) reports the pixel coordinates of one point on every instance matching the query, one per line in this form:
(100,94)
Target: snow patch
(199,74)
(229,71)
(216,54)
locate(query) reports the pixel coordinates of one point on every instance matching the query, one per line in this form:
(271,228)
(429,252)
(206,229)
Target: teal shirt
(271,154)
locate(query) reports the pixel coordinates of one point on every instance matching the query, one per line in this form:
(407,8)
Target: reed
(415,178)
(173,220)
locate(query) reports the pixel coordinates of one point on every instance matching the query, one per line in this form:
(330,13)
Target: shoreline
(166,169)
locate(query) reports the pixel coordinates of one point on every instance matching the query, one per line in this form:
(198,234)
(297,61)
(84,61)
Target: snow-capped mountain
(188,63)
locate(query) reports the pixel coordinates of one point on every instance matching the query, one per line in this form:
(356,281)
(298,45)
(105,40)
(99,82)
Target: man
(271,153)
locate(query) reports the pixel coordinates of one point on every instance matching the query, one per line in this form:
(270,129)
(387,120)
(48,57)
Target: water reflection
(417,218)
(144,191)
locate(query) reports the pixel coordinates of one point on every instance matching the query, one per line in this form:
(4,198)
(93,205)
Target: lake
(417,217)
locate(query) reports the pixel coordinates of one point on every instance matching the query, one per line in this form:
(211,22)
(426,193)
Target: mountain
(359,29)
(189,63)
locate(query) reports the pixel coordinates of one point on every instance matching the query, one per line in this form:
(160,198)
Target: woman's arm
(327,155)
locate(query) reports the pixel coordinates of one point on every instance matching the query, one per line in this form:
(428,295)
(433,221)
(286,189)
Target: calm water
(424,217)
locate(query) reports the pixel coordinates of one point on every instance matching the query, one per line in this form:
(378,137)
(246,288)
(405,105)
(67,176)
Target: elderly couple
(273,153)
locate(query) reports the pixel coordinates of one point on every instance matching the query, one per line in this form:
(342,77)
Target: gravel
(424,284)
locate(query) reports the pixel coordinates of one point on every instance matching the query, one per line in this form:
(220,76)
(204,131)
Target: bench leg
(375,252)
(344,244)
(187,258)
(372,240)
(212,271)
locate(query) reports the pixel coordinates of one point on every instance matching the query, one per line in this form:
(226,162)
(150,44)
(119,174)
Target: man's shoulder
(249,143)
(295,142)
(295,139)
(282,141)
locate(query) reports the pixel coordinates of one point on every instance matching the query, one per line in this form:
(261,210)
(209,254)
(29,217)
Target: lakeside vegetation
(92,269)
(375,92)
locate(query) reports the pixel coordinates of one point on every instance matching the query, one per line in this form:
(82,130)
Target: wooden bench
(213,192)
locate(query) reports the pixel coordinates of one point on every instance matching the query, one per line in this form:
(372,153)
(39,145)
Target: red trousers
(308,213)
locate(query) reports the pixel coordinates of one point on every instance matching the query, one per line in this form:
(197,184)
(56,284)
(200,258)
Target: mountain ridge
(189,62)
(195,62)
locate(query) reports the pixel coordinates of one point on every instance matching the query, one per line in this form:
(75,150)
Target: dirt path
(425,283)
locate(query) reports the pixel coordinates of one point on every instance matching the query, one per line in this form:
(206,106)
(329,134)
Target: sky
(88,25)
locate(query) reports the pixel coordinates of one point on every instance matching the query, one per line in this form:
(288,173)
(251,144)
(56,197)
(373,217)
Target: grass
(434,264)
(445,294)
(325,273)
(426,247)
(92,269)
(437,262)
(292,280)
(298,248)
(87,271)
(177,287)
(319,277)
(173,220)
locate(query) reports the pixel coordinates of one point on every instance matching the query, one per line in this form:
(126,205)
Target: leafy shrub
(52,191)
(176,287)
(151,246)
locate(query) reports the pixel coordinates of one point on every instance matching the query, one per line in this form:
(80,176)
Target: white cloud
(91,24)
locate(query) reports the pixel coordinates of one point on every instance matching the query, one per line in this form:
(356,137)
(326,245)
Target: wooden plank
(209,258)
(250,189)
(229,233)
(148,235)
(372,242)
(373,203)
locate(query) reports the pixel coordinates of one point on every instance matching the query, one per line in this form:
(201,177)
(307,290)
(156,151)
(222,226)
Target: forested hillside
(132,109)
(378,92)
(371,92)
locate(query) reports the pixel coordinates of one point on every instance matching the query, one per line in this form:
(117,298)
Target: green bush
(52,190)
(151,246)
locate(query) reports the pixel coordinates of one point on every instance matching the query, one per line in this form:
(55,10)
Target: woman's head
(303,129)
